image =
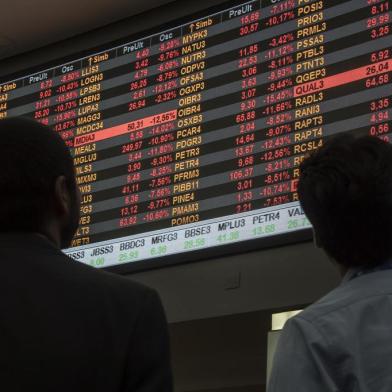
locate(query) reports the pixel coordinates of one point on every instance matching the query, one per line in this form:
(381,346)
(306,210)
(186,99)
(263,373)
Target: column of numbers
(248,60)
(379,72)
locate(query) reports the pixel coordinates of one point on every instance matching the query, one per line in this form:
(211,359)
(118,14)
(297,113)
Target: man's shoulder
(55,270)
(32,254)
(103,292)
(372,287)
(99,279)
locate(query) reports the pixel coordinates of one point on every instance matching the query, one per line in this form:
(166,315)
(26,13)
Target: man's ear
(62,196)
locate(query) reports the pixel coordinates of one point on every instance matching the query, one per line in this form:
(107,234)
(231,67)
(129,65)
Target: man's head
(345,189)
(38,192)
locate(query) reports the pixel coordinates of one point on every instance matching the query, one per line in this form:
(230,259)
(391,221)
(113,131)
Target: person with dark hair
(342,342)
(65,326)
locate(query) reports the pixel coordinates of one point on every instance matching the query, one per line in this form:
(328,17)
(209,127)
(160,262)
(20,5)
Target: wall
(275,278)
(223,354)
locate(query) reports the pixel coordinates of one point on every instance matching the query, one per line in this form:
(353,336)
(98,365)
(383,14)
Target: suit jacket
(65,326)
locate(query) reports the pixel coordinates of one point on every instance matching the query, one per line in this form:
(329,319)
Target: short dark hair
(345,189)
(32,156)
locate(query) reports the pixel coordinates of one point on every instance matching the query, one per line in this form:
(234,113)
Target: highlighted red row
(123,129)
(343,78)
(300,90)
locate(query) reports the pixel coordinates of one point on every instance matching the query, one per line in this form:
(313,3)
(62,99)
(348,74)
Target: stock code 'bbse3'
(191,138)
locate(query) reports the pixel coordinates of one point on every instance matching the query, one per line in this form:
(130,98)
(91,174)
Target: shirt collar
(354,273)
(350,274)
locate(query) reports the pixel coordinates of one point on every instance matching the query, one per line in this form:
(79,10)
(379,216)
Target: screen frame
(215,252)
(239,247)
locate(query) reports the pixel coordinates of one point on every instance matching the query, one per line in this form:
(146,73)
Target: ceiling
(30,24)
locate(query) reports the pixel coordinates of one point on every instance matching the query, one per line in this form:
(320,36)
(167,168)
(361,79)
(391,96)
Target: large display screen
(190,138)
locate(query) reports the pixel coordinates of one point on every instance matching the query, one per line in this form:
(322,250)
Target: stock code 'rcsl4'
(191,138)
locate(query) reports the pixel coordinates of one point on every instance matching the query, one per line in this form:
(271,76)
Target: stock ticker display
(191,138)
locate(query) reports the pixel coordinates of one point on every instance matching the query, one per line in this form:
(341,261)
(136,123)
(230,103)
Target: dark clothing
(65,326)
